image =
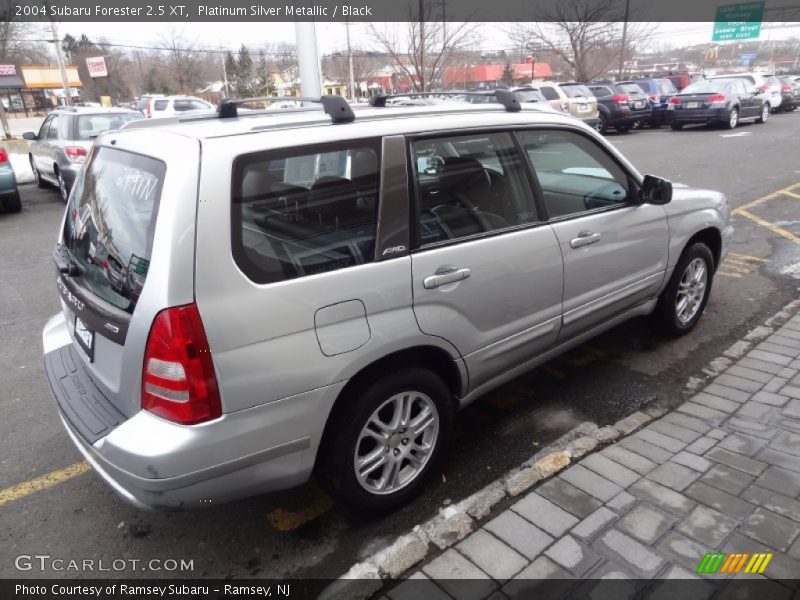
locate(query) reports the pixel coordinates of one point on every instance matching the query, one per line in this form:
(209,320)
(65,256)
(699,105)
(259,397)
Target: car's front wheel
(683,301)
(37,178)
(602,124)
(377,455)
(764,114)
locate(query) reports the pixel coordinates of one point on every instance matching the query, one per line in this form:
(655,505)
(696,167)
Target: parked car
(580,105)
(790,92)
(65,138)
(718,101)
(658,91)
(770,89)
(615,107)
(681,80)
(638,101)
(9,194)
(144,104)
(349,287)
(530,94)
(173,105)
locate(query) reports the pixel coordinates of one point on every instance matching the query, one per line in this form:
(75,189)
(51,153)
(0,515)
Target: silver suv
(57,152)
(247,300)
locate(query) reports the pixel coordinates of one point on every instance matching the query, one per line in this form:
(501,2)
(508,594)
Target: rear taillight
(620,99)
(655,98)
(716,99)
(563,106)
(674,100)
(786,88)
(763,88)
(3,155)
(147,105)
(75,154)
(178,380)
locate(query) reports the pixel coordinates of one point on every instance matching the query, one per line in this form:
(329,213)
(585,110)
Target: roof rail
(333,105)
(508,99)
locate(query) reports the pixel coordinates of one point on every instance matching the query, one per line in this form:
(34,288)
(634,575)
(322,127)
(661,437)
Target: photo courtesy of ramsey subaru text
(250,298)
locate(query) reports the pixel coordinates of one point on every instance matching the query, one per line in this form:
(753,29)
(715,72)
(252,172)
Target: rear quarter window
(160,104)
(305,211)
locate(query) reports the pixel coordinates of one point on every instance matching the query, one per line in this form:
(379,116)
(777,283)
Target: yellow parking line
(288,520)
(792,194)
(745,207)
(771,226)
(745,257)
(726,274)
(739,268)
(42,483)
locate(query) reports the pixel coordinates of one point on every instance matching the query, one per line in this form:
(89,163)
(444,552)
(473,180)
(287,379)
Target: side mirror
(29,135)
(656,190)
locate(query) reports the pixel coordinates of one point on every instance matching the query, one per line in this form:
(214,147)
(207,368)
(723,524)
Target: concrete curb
(455,522)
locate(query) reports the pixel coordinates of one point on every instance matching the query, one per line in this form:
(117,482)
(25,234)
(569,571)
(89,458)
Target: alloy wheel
(62,188)
(765,112)
(734,119)
(396,443)
(691,290)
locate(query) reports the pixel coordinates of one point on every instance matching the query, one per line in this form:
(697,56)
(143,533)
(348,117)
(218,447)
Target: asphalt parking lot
(50,503)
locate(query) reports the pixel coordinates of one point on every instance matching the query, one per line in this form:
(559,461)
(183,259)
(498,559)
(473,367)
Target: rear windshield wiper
(64,261)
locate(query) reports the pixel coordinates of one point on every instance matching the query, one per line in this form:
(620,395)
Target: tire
(656,123)
(676,126)
(12,203)
(346,439)
(36,177)
(733,119)
(669,316)
(602,124)
(765,110)
(62,188)
(623,128)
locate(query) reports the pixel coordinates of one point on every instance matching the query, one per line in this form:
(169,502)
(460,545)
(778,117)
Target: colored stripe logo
(720,562)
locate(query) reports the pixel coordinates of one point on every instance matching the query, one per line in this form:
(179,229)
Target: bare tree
(423,47)
(337,66)
(16,44)
(182,59)
(585,35)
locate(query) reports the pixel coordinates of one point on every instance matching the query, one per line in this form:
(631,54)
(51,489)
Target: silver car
(249,300)
(64,139)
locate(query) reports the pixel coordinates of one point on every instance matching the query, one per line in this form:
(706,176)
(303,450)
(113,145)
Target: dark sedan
(725,102)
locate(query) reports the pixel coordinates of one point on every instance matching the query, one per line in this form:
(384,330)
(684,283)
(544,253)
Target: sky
(331,36)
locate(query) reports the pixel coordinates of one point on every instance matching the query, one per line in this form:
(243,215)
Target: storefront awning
(11,82)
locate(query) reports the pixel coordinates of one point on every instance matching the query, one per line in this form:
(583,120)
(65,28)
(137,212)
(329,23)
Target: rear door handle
(584,239)
(440,279)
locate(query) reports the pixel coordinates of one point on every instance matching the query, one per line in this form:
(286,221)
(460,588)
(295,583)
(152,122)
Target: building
(493,75)
(32,88)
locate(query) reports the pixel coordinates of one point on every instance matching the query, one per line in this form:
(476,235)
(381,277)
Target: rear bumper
(709,115)
(155,464)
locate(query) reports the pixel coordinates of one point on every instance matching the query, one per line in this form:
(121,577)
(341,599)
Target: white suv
(171,105)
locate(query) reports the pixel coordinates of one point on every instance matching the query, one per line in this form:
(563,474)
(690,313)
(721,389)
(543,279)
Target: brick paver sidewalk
(720,473)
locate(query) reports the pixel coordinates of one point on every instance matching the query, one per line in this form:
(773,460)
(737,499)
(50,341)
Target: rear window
(530,96)
(90,126)
(707,86)
(110,221)
(576,90)
(160,104)
(301,212)
(631,88)
(665,86)
(184,105)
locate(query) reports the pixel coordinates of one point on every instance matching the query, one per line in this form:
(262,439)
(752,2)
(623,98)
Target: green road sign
(738,21)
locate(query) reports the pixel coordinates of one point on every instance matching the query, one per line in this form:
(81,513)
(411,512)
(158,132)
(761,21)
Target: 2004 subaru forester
(250,299)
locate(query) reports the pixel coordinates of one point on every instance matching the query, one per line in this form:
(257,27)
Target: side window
(303,211)
(66,126)
(45,127)
(601,92)
(160,104)
(738,87)
(749,88)
(575,174)
(549,93)
(52,131)
(470,184)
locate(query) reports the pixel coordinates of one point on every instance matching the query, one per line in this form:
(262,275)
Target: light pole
(624,38)
(350,61)
(61,67)
(308,58)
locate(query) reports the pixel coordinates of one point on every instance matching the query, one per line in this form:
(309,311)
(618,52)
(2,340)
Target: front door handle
(440,279)
(584,239)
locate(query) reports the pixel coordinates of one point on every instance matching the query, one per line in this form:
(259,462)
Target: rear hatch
(582,102)
(103,260)
(638,98)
